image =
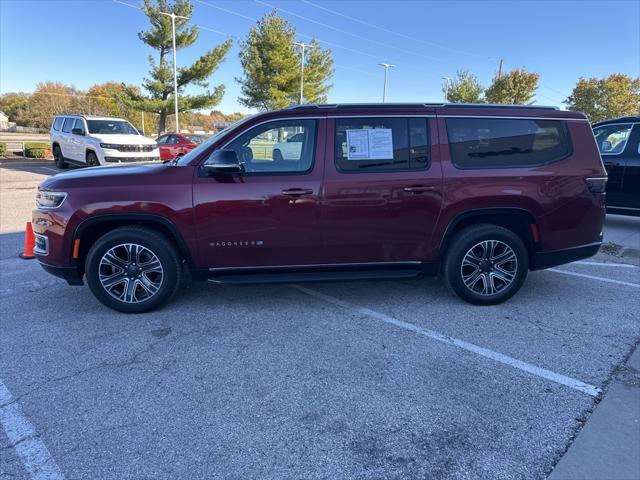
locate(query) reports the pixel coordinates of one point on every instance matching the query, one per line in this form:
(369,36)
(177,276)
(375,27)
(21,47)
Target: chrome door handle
(418,189)
(297,192)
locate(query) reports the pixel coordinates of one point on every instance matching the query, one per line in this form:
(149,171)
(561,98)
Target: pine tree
(271,64)
(159,85)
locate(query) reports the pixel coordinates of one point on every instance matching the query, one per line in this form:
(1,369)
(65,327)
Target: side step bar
(245,278)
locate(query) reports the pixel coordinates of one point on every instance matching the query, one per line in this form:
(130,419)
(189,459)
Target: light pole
(175,74)
(386,66)
(446,88)
(302,46)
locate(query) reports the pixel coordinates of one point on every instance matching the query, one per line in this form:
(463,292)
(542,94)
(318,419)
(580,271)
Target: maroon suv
(480,193)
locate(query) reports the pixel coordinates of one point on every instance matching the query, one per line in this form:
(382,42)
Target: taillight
(596,184)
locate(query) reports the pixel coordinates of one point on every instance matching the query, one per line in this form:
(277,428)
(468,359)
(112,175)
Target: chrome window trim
(504,117)
(624,147)
(312,265)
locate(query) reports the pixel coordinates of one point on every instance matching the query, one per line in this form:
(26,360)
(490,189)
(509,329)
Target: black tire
(486,280)
(58,158)
(92,160)
(165,279)
(277,156)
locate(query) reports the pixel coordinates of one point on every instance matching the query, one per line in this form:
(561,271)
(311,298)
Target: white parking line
(34,454)
(470,347)
(593,277)
(603,264)
(51,169)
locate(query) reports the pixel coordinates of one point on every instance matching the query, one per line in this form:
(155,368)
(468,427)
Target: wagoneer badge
(241,243)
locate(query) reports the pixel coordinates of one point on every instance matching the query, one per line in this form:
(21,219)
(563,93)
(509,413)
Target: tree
(465,88)
(53,98)
(271,64)
(159,85)
(516,87)
(614,96)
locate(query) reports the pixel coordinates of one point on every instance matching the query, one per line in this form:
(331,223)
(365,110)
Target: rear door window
(381,144)
(57,123)
(506,143)
(68,124)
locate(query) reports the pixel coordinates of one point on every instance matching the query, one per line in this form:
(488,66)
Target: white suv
(93,141)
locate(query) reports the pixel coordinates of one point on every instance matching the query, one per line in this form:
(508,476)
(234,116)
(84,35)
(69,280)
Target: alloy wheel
(489,267)
(130,273)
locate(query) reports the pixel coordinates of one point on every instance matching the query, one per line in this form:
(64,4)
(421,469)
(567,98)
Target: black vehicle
(619,144)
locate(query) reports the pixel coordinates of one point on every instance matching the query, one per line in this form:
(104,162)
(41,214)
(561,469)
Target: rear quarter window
(506,143)
(57,123)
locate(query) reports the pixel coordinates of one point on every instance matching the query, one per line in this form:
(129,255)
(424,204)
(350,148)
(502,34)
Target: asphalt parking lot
(358,380)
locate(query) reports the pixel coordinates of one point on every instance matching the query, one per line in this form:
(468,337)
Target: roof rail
(311,106)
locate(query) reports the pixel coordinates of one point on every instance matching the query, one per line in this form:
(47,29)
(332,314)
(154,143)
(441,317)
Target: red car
(174,145)
(480,194)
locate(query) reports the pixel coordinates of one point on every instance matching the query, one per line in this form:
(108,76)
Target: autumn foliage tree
(516,87)
(614,96)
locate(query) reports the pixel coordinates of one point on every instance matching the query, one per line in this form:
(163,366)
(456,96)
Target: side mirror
(222,161)
(77,131)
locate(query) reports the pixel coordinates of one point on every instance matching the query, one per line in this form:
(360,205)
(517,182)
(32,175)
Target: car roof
(90,117)
(444,109)
(628,119)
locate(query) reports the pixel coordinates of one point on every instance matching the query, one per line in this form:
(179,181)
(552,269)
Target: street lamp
(386,66)
(302,46)
(446,88)
(175,74)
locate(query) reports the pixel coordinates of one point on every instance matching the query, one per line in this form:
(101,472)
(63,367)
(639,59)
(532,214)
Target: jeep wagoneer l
(479,193)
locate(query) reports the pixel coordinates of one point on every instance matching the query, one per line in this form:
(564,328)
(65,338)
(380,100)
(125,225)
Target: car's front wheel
(58,158)
(133,269)
(92,160)
(486,264)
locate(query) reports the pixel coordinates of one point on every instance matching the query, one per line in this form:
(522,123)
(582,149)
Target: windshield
(185,159)
(110,127)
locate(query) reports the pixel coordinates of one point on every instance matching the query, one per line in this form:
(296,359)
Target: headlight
(113,146)
(49,200)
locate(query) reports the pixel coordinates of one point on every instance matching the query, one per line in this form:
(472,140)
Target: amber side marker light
(76,248)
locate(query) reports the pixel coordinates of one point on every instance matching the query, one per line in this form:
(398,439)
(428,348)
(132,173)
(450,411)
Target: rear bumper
(70,274)
(567,255)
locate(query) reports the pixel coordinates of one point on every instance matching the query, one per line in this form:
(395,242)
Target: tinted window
(265,148)
(612,139)
(68,125)
(111,127)
(501,142)
(57,123)
(173,139)
(79,124)
(162,140)
(381,144)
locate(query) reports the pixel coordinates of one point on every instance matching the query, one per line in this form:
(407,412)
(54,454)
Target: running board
(244,278)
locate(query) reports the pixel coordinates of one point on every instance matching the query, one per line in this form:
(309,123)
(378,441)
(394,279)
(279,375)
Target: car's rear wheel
(92,160)
(486,264)
(133,269)
(58,158)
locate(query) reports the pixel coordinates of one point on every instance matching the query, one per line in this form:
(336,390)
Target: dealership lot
(390,379)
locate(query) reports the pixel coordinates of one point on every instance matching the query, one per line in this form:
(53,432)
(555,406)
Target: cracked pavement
(266,382)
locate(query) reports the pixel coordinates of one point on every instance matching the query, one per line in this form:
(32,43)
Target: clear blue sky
(87,42)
